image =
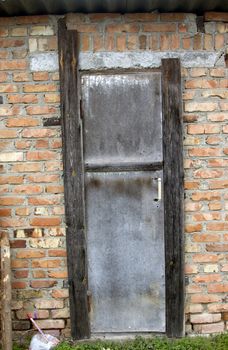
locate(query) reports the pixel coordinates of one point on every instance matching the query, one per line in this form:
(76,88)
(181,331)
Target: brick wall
(32,208)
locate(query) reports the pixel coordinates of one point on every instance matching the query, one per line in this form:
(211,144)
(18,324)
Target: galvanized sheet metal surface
(124,220)
(31,7)
(125,244)
(123,118)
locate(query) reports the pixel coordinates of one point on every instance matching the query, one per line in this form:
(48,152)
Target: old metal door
(122,141)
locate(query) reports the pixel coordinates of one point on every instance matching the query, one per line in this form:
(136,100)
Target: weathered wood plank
(6,321)
(173,195)
(68,44)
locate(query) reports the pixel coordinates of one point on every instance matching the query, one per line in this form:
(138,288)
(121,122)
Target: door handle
(159,189)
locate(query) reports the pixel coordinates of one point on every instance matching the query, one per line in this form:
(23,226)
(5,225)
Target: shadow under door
(124,208)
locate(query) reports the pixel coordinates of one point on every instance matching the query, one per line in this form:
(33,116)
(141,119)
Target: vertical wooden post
(68,43)
(6,321)
(173,195)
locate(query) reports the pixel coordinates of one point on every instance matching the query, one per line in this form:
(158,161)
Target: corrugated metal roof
(38,7)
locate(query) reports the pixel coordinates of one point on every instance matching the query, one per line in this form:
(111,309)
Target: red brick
(60,293)
(3,77)
(190,206)
(203,129)
(39,88)
(191,269)
(218,307)
(54,189)
(206,196)
(210,328)
(52,98)
(12,222)
(49,304)
(43,178)
(35,110)
(121,40)
(204,258)
(126,28)
(26,167)
(39,284)
(141,17)
(85,28)
(40,76)
(19,243)
(39,133)
(216,16)
(22,98)
(19,285)
(52,263)
(208,42)
(217,247)
(132,42)
(206,237)
(13,65)
(18,264)
(213,140)
(57,274)
(186,43)
(215,206)
(208,174)
(23,314)
(207,278)
(39,274)
(28,254)
(197,41)
(159,27)
(189,228)
(217,72)
(218,226)
(8,43)
(205,318)
(57,253)
(22,211)
(109,41)
(206,216)
(28,189)
(22,144)
(45,200)
(205,299)
(20,122)
(217,184)
(42,143)
(5,212)
(21,274)
(9,110)
(98,42)
(41,155)
(219,41)
(11,179)
(204,152)
(85,42)
(201,84)
(8,134)
(21,76)
(191,185)
(51,324)
(200,106)
(165,41)
(218,288)
(43,222)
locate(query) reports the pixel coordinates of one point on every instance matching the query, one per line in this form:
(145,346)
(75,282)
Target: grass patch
(219,342)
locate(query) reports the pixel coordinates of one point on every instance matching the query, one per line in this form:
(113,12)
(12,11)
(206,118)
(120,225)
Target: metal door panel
(125,252)
(123,118)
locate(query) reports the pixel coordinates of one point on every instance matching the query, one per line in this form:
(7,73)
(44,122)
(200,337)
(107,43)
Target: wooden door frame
(68,43)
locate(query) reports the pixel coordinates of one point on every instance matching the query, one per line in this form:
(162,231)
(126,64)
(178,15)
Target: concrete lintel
(145,59)
(111,60)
